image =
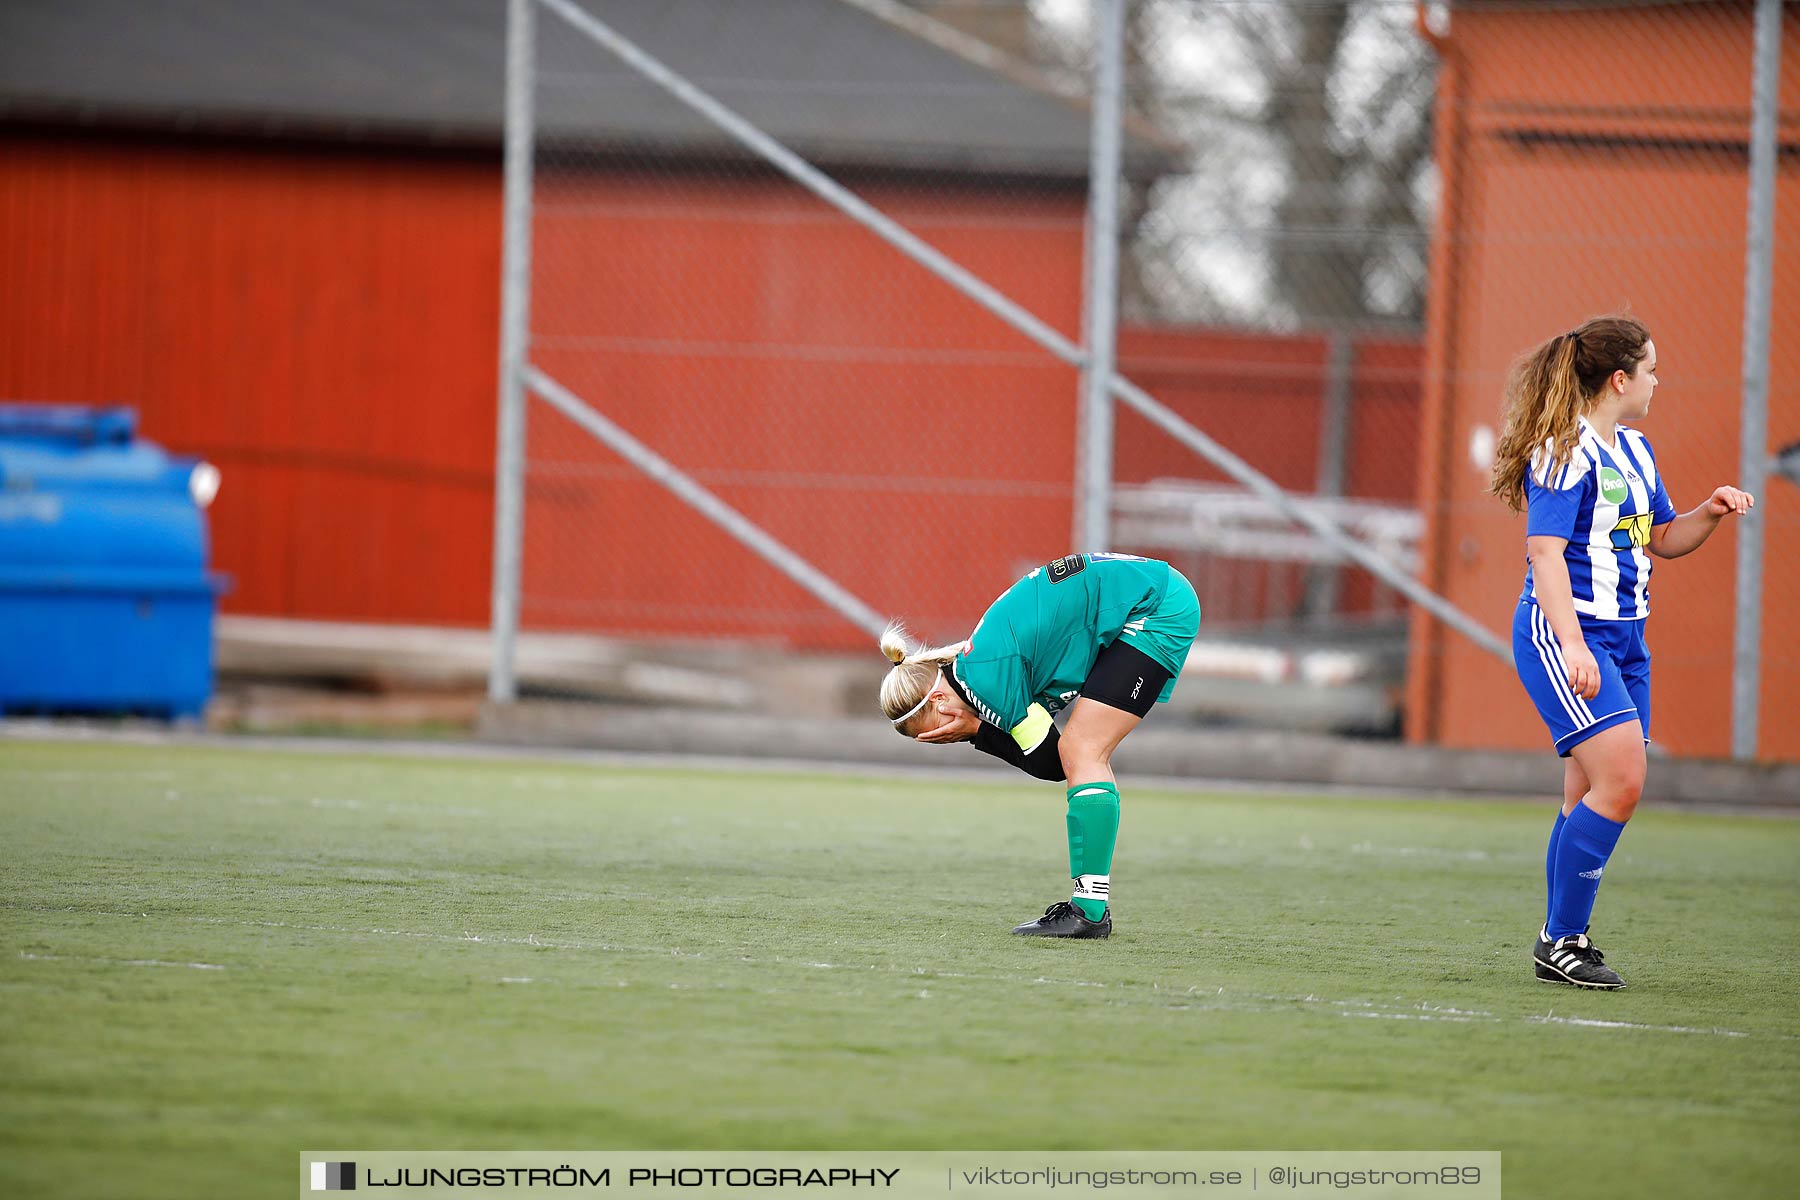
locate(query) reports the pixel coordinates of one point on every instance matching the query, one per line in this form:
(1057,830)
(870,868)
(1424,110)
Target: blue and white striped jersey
(1605,501)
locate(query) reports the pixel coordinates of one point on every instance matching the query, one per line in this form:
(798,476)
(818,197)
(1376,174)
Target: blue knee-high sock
(1550,863)
(1586,843)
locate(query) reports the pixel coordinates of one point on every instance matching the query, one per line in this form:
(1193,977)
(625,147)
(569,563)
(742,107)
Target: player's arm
(1687,532)
(1554,498)
(1013,726)
(1031,746)
(1556,597)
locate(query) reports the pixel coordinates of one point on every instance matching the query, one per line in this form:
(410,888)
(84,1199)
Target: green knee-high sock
(1093,827)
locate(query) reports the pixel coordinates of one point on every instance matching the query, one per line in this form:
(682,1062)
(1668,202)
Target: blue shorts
(1618,647)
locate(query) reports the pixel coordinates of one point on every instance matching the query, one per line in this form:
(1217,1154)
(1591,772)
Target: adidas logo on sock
(1593,874)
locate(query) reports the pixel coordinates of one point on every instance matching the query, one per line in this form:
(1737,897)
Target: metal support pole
(515,318)
(1093,517)
(1334,451)
(1753,440)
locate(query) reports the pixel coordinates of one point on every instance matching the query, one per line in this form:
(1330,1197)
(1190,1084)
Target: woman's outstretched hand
(1727,500)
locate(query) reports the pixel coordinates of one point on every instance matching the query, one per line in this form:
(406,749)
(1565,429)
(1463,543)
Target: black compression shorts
(1125,678)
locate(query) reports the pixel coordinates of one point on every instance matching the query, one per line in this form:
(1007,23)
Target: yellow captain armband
(1031,732)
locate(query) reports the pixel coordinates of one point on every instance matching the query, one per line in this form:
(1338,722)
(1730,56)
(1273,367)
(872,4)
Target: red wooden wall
(320,325)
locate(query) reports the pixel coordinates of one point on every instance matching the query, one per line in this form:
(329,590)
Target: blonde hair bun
(894,643)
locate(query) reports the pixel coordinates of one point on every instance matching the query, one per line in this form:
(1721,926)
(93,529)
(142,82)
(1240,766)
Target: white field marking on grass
(69,775)
(1423,1006)
(351,804)
(1551,1019)
(1429,852)
(118,962)
(1421,1010)
(1429,1012)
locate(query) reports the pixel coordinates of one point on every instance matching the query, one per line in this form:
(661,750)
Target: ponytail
(1548,391)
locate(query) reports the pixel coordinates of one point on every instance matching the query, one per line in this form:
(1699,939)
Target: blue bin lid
(68,424)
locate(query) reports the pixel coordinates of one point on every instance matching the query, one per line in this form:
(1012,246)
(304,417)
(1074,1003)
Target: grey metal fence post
(1094,457)
(515,316)
(1334,452)
(1753,451)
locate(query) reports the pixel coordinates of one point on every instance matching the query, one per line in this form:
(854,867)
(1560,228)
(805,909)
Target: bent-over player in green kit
(1109,632)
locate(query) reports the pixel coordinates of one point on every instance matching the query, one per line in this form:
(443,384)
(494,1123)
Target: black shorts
(1125,678)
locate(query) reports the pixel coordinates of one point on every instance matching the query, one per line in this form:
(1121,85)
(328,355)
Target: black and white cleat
(1064,920)
(1573,960)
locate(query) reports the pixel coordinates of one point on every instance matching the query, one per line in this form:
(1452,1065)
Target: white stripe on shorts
(1562,668)
(1558,672)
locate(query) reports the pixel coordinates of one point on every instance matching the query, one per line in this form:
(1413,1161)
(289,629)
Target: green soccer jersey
(1038,641)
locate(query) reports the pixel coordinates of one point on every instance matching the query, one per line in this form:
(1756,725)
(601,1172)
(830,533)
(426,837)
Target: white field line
(1553,1019)
(1438,852)
(118,962)
(1192,999)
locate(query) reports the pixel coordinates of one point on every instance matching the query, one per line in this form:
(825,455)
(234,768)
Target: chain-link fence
(903,441)
(1304,277)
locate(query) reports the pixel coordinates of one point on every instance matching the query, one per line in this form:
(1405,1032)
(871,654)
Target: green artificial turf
(211,960)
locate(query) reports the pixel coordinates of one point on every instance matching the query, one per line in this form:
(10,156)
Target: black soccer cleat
(1575,960)
(1064,920)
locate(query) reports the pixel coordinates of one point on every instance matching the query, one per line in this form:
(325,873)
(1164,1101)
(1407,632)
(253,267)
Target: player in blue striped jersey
(1597,511)
(1108,632)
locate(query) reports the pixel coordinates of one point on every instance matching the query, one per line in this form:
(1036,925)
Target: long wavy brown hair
(1551,386)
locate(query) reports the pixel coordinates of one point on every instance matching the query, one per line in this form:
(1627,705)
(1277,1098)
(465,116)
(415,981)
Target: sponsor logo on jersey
(1613,488)
(1064,567)
(1631,532)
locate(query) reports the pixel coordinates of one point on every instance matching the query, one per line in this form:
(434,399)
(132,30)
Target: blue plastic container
(106,605)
